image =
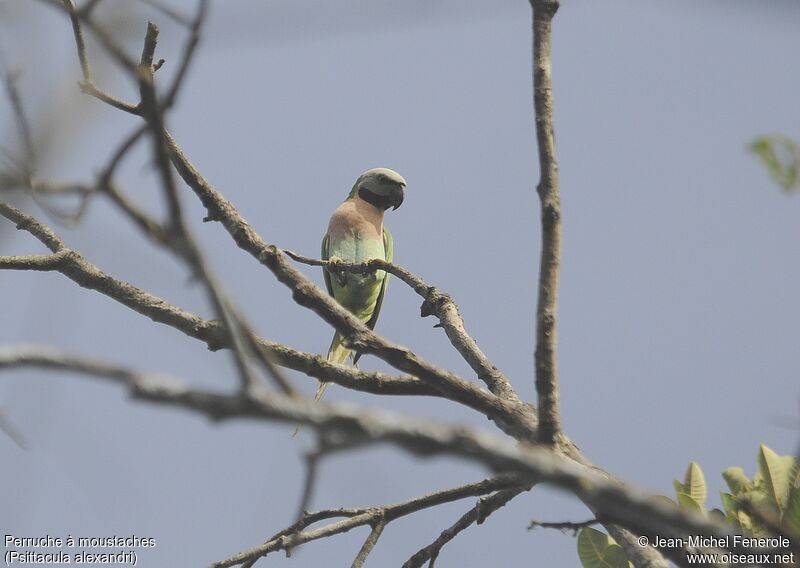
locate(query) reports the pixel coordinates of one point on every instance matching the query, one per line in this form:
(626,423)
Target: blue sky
(679,312)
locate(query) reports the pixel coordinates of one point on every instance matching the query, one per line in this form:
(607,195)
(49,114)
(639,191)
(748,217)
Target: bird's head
(382,187)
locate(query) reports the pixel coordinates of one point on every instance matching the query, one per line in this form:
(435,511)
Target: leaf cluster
(761,506)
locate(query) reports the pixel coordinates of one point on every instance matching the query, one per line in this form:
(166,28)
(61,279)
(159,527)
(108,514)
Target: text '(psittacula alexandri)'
(356,234)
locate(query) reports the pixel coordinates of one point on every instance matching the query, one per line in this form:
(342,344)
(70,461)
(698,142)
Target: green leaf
(776,471)
(736,479)
(695,484)
(781,156)
(730,506)
(679,488)
(728,503)
(598,550)
(686,501)
(791,516)
(763,511)
(744,521)
(616,557)
(717,515)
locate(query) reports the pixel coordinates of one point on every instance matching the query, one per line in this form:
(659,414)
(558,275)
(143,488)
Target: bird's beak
(398,194)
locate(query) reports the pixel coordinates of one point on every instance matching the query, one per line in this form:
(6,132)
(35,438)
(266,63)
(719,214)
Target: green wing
(325,256)
(388,247)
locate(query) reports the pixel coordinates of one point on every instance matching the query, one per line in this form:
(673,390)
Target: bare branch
(369,544)
(27,223)
(312,462)
(116,158)
(376,516)
(188,52)
(546,334)
(47,187)
(147,224)
(87,84)
(478,514)
(563,525)
(41,263)
(184,244)
(21,119)
(344,427)
(80,42)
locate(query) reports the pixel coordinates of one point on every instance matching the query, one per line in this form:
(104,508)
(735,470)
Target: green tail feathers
(337,352)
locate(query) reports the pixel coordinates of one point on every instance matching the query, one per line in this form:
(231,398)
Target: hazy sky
(679,312)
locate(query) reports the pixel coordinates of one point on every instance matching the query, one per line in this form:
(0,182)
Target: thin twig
(184,243)
(20,117)
(25,222)
(477,514)
(295,535)
(312,462)
(87,85)
(188,53)
(80,42)
(105,182)
(564,525)
(369,544)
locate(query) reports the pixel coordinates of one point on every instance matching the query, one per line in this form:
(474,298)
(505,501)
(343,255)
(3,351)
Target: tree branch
(188,51)
(478,514)
(546,334)
(343,427)
(563,525)
(87,85)
(377,517)
(21,119)
(369,544)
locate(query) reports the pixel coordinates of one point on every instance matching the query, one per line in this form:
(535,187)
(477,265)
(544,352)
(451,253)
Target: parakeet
(356,234)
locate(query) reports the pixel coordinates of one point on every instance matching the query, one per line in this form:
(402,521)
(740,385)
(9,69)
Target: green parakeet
(356,234)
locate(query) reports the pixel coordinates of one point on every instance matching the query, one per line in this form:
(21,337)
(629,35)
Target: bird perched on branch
(356,234)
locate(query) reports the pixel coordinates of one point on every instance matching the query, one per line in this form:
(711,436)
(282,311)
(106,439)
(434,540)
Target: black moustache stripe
(379,201)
